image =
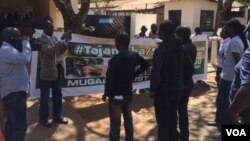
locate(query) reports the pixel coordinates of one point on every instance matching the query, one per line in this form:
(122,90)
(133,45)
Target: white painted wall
(138,20)
(191,10)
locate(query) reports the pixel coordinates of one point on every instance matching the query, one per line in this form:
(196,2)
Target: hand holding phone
(67,36)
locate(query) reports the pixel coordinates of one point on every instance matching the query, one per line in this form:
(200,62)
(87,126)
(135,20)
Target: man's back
(121,73)
(169,68)
(191,50)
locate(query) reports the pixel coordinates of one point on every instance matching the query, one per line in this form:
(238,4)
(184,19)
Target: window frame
(204,19)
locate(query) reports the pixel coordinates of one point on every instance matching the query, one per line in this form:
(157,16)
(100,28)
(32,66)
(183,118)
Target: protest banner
(201,43)
(86,62)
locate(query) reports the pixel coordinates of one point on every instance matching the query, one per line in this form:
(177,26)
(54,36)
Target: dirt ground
(89,119)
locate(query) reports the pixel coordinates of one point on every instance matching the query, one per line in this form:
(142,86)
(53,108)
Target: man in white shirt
(15,54)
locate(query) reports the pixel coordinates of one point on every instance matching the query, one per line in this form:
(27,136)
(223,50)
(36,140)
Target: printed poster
(86,60)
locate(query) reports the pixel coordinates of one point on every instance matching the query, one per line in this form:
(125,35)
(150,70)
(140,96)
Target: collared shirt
(13,71)
(242,74)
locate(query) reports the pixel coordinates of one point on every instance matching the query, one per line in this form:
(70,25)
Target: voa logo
(236,132)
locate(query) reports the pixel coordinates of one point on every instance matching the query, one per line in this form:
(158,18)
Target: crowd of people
(171,80)
(13,19)
(152,34)
(229,78)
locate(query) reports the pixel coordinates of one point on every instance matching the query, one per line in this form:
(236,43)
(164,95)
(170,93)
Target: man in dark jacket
(184,33)
(118,88)
(170,75)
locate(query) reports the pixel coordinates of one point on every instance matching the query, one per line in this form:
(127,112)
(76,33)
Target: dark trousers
(116,108)
(183,114)
(222,103)
(217,77)
(16,108)
(166,115)
(45,86)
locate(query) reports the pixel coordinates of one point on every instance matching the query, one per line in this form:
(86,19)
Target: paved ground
(89,117)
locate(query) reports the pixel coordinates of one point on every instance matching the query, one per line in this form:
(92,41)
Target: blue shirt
(13,71)
(242,74)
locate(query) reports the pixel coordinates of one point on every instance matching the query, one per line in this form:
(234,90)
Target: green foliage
(244,2)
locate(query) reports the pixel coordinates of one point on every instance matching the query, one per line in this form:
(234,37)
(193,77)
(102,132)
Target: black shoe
(61,121)
(47,124)
(211,123)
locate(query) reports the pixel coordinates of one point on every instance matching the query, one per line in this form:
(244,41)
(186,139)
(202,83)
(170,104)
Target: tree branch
(227,5)
(68,6)
(59,4)
(84,8)
(107,4)
(97,6)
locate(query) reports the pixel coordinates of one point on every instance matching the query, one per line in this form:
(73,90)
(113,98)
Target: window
(207,20)
(175,16)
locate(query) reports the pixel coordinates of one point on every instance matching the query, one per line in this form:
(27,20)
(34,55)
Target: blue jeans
(116,107)
(16,108)
(222,103)
(45,86)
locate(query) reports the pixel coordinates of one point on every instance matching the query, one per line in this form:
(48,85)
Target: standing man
(51,73)
(118,88)
(184,32)
(172,69)
(142,34)
(154,31)
(15,54)
(197,31)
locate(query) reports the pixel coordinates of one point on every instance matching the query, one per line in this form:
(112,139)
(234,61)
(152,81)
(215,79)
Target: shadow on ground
(73,131)
(89,120)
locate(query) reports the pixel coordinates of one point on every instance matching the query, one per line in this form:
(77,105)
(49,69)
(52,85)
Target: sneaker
(47,124)
(211,123)
(61,121)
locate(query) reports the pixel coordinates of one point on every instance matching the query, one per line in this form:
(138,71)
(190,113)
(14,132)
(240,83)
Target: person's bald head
(48,27)
(10,33)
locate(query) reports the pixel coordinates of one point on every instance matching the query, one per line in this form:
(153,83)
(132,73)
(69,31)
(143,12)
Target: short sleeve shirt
(242,74)
(223,47)
(235,46)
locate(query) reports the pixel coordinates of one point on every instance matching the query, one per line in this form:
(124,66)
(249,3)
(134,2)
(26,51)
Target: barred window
(207,20)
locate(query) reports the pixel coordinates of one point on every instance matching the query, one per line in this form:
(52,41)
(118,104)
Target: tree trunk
(222,8)
(73,21)
(219,16)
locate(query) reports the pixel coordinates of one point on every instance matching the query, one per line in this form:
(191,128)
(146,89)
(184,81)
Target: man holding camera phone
(51,73)
(15,54)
